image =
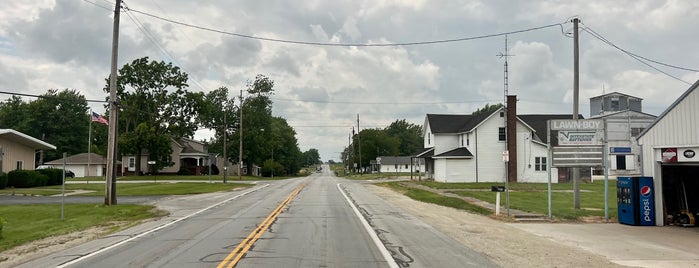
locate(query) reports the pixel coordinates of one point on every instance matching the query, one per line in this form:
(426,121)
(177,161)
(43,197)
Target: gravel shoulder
(505,245)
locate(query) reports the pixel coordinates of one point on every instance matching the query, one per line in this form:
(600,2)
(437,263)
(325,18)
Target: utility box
(635,200)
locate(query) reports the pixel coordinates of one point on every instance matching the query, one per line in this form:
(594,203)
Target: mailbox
(497,188)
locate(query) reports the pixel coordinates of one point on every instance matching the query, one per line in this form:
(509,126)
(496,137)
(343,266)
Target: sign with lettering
(580,124)
(578,138)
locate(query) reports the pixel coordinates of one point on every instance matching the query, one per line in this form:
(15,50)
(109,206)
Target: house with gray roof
(469,147)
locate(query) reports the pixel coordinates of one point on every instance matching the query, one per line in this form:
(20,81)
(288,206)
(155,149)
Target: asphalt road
(317,221)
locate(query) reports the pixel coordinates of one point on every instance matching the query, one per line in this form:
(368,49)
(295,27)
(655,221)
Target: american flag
(99,119)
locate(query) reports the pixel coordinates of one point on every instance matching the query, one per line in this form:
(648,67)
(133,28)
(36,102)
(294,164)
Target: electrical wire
(341,44)
(45,97)
(376,103)
(638,58)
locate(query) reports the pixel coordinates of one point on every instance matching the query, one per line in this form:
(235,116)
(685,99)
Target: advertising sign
(687,155)
(581,124)
(668,155)
(578,138)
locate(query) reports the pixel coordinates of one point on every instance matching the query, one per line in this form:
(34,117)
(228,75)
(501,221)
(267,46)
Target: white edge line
(155,229)
(382,248)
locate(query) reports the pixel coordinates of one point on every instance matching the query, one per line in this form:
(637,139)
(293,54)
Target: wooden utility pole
(576,93)
(225,153)
(110,182)
(359,143)
(240,131)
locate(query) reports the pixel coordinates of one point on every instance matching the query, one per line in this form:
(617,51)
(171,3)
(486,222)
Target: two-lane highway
(317,221)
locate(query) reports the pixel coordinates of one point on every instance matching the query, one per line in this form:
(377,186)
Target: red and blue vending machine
(635,200)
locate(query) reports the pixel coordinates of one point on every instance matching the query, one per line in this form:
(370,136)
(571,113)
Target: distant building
(397,164)
(623,120)
(18,150)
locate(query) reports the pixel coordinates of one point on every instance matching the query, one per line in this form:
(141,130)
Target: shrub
(55,175)
(3,181)
(26,179)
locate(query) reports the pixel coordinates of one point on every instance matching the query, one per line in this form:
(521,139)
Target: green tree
(159,100)
(61,119)
(218,112)
(311,157)
(409,136)
(487,109)
(374,143)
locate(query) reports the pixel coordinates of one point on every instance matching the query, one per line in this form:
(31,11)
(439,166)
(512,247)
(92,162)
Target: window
(636,131)
(429,141)
(540,163)
(502,114)
(406,166)
(501,134)
(468,141)
(132,162)
(621,162)
(615,105)
(20,165)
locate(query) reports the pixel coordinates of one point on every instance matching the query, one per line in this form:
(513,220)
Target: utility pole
(225,154)
(359,143)
(506,85)
(110,182)
(240,131)
(576,92)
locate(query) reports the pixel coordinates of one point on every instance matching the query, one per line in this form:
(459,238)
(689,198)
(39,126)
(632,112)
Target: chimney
(512,138)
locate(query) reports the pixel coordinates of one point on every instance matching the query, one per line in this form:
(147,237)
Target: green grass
(214,178)
(430,197)
(533,197)
(141,189)
(25,223)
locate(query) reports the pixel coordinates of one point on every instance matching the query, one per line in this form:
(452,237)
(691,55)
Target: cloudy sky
(321,89)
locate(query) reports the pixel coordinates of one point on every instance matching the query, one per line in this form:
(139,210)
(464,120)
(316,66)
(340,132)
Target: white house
(83,165)
(469,148)
(397,164)
(670,146)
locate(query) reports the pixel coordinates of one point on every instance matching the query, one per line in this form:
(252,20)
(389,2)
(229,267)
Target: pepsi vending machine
(635,200)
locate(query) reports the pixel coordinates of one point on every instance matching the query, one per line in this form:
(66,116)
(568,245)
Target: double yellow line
(239,251)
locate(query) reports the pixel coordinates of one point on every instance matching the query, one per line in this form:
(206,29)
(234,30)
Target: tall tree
(61,119)
(409,136)
(257,117)
(159,100)
(487,109)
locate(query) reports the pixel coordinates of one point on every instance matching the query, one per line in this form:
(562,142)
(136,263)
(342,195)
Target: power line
(45,96)
(376,103)
(341,44)
(639,58)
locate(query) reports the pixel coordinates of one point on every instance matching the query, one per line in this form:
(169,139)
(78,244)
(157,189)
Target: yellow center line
(242,248)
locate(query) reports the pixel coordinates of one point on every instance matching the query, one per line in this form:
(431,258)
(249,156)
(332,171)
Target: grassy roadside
(531,197)
(25,223)
(430,197)
(131,189)
(203,178)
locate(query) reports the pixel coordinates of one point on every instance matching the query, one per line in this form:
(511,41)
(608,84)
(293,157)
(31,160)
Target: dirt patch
(43,247)
(505,245)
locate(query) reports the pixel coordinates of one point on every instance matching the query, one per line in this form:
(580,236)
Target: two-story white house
(469,147)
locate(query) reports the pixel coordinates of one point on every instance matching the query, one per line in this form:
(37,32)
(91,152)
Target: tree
(159,100)
(488,109)
(61,119)
(374,142)
(311,157)
(409,136)
(218,112)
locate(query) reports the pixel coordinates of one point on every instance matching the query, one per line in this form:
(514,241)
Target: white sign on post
(506,156)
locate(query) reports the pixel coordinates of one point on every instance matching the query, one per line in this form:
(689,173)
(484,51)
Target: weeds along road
(317,221)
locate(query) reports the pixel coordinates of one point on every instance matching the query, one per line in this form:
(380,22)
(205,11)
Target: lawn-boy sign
(579,142)
(578,132)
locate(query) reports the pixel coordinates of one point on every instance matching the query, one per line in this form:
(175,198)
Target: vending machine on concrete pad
(635,200)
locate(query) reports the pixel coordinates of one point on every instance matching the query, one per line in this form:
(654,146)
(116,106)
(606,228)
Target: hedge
(26,179)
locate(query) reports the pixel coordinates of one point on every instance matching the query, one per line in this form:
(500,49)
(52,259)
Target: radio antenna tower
(505,55)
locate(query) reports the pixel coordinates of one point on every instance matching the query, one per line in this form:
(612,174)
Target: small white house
(82,165)
(397,164)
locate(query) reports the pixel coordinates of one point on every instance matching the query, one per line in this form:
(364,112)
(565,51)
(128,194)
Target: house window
(468,140)
(615,105)
(540,163)
(501,134)
(406,166)
(502,114)
(132,162)
(621,162)
(20,165)
(462,140)
(429,140)
(635,131)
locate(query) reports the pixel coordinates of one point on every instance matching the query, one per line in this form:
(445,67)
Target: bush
(55,175)
(26,179)
(3,181)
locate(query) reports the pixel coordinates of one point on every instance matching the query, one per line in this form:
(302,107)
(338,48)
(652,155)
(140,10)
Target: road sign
(506,156)
(151,162)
